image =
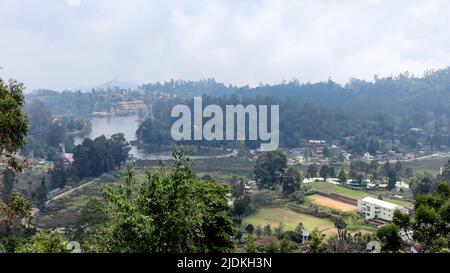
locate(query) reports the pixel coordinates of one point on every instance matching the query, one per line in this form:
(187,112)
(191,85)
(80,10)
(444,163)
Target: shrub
(262,198)
(297,197)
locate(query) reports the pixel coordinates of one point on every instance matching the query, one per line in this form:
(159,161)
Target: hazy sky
(67,43)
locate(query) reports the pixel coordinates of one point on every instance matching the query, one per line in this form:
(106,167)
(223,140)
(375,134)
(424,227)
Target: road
(68,192)
(435,155)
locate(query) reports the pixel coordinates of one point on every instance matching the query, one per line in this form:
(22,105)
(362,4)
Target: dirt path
(68,192)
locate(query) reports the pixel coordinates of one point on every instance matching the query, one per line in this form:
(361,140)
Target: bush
(297,197)
(107,178)
(310,192)
(262,198)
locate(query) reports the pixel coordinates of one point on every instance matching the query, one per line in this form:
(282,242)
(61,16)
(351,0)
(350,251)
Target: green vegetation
(352,193)
(13,121)
(289,218)
(269,169)
(170,211)
(428,226)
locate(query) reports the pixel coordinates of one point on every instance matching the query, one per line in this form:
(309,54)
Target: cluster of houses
(388,156)
(319,151)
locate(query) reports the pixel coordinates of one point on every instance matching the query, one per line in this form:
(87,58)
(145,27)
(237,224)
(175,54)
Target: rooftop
(380,203)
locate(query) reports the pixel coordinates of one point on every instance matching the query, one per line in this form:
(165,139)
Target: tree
(239,209)
(14,219)
(94,157)
(249,228)
(16,212)
(387,168)
(340,225)
(41,193)
(59,175)
(43,242)
(392,180)
(408,173)
(55,134)
(251,246)
(342,177)
(238,236)
(269,169)
(324,172)
(13,121)
(169,211)
(428,224)
(390,236)
(258,231)
(446,172)
(316,242)
(9,178)
(423,184)
(312,171)
(398,167)
(279,231)
(40,120)
(118,148)
(331,172)
(373,147)
(291,181)
(360,179)
(268,230)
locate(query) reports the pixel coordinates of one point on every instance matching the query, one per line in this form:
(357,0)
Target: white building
(378,209)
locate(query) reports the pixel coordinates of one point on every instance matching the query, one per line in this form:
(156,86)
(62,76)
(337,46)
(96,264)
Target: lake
(128,126)
(113,125)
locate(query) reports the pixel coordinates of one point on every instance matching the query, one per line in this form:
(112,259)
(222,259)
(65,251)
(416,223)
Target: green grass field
(290,219)
(357,194)
(430,164)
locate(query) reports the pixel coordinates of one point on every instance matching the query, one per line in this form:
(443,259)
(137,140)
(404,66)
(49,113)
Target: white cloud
(73,2)
(241,42)
(374,2)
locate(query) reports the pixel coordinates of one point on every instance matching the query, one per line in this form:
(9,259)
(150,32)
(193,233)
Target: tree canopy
(169,211)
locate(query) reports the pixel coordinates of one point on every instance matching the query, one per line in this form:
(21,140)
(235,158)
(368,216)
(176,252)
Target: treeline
(92,158)
(373,113)
(358,132)
(47,135)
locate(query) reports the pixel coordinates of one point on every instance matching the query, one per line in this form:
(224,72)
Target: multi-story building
(373,208)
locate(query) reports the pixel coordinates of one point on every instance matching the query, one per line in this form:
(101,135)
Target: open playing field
(331,203)
(289,218)
(357,194)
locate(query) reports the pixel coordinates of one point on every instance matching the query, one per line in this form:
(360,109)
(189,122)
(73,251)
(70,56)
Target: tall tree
(392,180)
(291,180)
(446,172)
(429,223)
(342,177)
(169,211)
(312,171)
(269,169)
(13,121)
(324,172)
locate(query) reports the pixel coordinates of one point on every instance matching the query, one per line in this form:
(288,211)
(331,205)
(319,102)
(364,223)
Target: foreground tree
(390,236)
(169,211)
(43,242)
(13,121)
(429,224)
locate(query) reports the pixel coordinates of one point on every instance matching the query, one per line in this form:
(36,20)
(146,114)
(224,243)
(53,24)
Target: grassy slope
(290,219)
(357,194)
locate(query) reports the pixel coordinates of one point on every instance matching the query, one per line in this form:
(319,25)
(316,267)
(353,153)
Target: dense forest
(410,111)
